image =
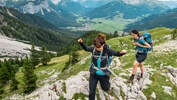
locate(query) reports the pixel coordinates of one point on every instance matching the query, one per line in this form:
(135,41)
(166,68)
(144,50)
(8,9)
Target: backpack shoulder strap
(93,51)
(141,34)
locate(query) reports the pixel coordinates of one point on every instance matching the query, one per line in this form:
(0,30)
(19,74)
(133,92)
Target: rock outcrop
(79,84)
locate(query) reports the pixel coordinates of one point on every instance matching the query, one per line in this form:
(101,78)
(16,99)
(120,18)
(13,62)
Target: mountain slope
(58,12)
(159,79)
(92,3)
(15,28)
(127,9)
(10,48)
(167,19)
(29,18)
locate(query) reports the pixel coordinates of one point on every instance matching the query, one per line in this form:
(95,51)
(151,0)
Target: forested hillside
(15,28)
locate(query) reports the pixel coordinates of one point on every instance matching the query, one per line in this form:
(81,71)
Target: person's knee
(135,64)
(141,65)
(92,92)
(106,88)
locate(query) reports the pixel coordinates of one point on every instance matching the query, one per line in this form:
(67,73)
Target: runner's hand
(136,44)
(80,40)
(123,52)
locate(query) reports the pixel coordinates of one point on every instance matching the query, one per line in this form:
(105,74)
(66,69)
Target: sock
(133,75)
(141,74)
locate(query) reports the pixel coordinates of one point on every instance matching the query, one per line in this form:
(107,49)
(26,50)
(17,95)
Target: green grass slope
(159,36)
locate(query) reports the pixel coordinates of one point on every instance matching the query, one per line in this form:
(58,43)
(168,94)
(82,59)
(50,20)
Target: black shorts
(141,57)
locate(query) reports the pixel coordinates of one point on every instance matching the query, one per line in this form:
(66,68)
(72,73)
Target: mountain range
(58,13)
(167,19)
(65,13)
(128,9)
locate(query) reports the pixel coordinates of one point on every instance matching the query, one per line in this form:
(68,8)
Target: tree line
(9,68)
(88,38)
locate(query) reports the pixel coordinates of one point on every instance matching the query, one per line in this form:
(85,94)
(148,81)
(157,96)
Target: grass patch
(62,98)
(156,86)
(109,25)
(64,87)
(122,93)
(168,58)
(75,69)
(80,96)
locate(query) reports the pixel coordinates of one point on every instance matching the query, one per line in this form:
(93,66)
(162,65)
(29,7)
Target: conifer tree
(45,56)
(75,57)
(115,34)
(34,56)
(4,75)
(174,34)
(30,77)
(13,84)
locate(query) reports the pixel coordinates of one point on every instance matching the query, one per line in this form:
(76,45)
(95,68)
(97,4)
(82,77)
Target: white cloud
(85,0)
(168,0)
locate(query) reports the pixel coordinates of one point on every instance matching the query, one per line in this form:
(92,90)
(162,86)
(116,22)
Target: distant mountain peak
(135,2)
(55,2)
(32,8)
(2,3)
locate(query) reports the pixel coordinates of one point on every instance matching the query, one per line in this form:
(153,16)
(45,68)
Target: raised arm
(116,53)
(85,47)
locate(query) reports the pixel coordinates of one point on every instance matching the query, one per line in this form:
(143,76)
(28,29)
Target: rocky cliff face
(10,48)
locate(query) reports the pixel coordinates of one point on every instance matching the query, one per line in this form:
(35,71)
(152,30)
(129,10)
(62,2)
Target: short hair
(100,40)
(135,32)
(100,35)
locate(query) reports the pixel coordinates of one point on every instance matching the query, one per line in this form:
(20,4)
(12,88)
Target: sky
(168,0)
(100,0)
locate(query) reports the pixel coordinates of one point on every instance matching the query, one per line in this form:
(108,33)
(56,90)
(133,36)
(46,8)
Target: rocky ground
(166,47)
(120,89)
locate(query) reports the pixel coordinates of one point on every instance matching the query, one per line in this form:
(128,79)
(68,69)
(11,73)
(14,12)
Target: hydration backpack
(147,38)
(107,58)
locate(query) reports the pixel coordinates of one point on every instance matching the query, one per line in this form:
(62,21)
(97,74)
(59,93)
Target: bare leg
(142,67)
(135,65)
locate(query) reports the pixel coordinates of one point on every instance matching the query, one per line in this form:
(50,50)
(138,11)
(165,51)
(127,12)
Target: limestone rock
(167,89)
(153,95)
